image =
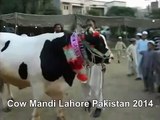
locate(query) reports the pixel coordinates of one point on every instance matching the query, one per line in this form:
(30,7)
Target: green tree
(93,12)
(8,6)
(49,9)
(155,14)
(28,6)
(121,11)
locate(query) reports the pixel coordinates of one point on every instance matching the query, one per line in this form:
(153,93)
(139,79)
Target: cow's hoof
(61,118)
(88,109)
(6,109)
(12,99)
(97,113)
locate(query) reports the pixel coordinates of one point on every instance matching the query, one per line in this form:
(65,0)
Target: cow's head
(96,41)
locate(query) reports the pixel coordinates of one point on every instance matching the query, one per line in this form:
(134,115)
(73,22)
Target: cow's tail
(1,85)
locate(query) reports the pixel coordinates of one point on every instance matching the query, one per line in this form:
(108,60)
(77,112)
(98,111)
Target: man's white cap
(119,37)
(152,42)
(144,33)
(139,34)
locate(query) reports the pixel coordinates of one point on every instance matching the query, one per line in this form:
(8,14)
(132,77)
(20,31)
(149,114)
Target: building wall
(154,5)
(77,10)
(66,8)
(116,3)
(82,6)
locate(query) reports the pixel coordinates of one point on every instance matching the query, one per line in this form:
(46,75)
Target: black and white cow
(38,62)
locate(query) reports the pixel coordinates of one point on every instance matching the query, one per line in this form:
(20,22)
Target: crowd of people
(140,59)
(139,56)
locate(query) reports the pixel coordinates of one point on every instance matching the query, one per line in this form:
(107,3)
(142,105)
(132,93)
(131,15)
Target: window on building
(66,7)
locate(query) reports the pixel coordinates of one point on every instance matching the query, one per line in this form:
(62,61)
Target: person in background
(120,46)
(58,28)
(132,57)
(142,45)
(147,67)
(138,38)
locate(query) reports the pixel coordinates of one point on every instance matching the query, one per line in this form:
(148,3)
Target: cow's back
(16,50)
(25,57)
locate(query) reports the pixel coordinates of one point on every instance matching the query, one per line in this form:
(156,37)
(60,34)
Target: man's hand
(103,67)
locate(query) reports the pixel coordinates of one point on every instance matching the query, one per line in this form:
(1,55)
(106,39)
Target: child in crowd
(120,46)
(146,66)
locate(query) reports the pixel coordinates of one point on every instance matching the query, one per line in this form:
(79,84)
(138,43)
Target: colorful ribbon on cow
(75,58)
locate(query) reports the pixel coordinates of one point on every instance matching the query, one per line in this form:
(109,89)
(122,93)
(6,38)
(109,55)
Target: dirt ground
(117,86)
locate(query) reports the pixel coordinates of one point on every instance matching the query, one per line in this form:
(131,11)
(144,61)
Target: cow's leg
(59,110)
(1,91)
(38,92)
(6,95)
(56,92)
(9,92)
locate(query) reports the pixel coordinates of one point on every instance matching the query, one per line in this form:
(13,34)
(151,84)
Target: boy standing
(146,65)
(120,46)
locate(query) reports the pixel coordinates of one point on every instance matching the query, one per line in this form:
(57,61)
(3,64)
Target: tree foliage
(28,6)
(93,12)
(155,14)
(121,11)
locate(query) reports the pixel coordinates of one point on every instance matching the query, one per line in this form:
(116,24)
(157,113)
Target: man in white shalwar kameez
(132,57)
(93,89)
(138,38)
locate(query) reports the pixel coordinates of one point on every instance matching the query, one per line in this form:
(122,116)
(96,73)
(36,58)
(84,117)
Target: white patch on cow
(109,53)
(23,49)
(24,35)
(104,40)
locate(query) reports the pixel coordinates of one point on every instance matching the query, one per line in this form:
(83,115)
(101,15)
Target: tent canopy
(70,21)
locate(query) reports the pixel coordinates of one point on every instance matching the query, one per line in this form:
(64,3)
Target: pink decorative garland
(75,43)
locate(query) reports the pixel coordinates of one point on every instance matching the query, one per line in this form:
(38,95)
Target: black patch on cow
(53,61)
(23,73)
(5,46)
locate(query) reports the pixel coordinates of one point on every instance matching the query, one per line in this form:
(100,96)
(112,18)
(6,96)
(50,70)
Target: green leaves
(28,6)
(93,12)
(121,11)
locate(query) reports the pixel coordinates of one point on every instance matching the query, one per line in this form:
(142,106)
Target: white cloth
(120,45)
(93,88)
(132,58)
